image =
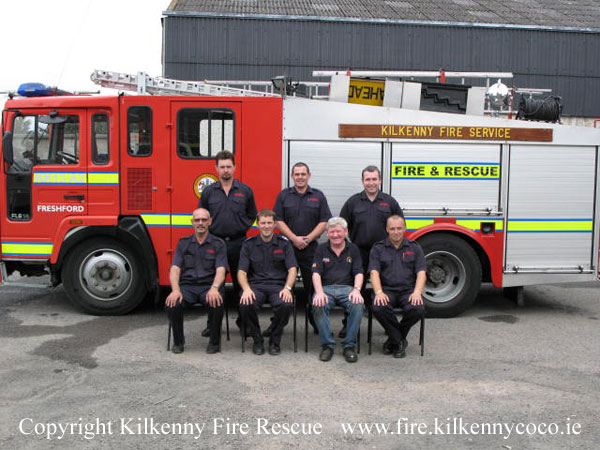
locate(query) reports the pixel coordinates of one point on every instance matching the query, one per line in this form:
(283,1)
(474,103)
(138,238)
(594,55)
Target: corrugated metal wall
(259,49)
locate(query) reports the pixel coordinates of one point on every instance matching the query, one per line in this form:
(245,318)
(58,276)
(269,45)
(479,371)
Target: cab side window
(100,139)
(45,140)
(139,131)
(203,132)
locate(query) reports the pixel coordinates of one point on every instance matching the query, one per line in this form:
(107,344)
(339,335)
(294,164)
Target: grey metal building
(545,43)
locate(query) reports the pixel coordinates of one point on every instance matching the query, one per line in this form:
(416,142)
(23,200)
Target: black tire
(104,276)
(453,274)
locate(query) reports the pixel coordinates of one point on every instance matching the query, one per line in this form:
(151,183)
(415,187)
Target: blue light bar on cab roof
(39,90)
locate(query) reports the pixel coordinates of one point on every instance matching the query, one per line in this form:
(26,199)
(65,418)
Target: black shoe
(258,348)
(206,332)
(268,331)
(177,348)
(342,333)
(400,350)
(274,349)
(326,353)
(388,348)
(212,348)
(350,355)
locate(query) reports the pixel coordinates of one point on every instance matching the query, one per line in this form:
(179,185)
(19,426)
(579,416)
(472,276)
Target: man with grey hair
(337,279)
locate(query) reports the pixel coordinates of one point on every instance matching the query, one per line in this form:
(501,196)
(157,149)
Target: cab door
(47,182)
(201,130)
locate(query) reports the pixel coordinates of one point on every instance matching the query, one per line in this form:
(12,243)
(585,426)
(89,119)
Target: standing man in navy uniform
(302,214)
(197,275)
(267,272)
(337,278)
(366,213)
(232,207)
(398,275)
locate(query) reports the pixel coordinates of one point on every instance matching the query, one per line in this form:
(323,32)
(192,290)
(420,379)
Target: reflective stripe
(414,223)
(76,178)
(27,248)
(156,220)
(550,225)
(475,224)
(103,178)
(181,220)
(60,178)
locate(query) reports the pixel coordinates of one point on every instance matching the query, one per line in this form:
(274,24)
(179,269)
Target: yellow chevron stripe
(154,220)
(103,178)
(24,248)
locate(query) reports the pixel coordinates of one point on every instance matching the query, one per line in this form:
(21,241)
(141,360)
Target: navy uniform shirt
(302,212)
(267,262)
(367,219)
(337,269)
(232,214)
(199,262)
(397,267)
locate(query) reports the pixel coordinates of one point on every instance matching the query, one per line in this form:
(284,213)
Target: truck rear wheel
(453,275)
(103,276)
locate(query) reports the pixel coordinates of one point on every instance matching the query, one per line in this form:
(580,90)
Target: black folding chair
(266,304)
(396,311)
(306,327)
(194,306)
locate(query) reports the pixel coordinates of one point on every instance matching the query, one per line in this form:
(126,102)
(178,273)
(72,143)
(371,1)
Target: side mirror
(52,118)
(7,147)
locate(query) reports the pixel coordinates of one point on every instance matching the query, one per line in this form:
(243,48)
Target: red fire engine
(99,189)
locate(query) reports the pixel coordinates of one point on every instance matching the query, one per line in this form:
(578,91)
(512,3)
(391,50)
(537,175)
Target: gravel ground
(499,376)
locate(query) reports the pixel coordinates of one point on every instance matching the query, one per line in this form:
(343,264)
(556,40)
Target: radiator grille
(139,189)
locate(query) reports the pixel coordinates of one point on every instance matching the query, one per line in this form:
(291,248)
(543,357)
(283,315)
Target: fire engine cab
(97,190)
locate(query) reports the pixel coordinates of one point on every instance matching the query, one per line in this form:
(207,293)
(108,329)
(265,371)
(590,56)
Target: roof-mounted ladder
(144,84)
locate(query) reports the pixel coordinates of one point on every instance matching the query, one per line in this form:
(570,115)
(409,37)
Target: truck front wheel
(103,276)
(453,275)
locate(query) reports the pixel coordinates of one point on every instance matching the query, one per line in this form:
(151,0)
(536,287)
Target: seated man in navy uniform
(337,279)
(197,275)
(398,275)
(267,271)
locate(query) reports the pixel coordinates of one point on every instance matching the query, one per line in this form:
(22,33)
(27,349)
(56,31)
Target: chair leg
(169,337)
(243,336)
(369,327)
(294,313)
(226,319)
(422,336)
(306,327)
(220,330)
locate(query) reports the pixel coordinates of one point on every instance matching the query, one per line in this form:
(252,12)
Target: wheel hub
(446,276)
(106,274)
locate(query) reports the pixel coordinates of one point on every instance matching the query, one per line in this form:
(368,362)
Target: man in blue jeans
(337,279)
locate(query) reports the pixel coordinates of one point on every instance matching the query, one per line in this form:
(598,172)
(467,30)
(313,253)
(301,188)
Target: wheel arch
(130,230)
(470,237)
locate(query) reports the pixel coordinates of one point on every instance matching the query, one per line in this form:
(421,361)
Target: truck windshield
(38,143)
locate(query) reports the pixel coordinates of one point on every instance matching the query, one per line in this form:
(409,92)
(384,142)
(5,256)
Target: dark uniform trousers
(193,294)
(281,311)
(411,314)
(234,246)
(364,255)
(304,258)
